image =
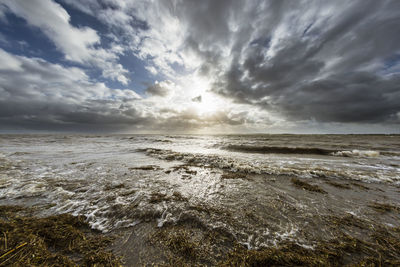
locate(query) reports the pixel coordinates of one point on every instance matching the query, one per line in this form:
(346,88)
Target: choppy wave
(274,166)
(179,180)
(357,153)
(279,150)
(302,150)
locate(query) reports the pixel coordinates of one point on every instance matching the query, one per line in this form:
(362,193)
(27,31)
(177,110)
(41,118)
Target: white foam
(357,153)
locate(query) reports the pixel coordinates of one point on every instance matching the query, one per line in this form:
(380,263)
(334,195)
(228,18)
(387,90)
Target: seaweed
(383,207)
(163,141)
(383,250)
(347,220)
(289,255)
(306,186)
(146,168)
(202,208)
(179,242)
(62,240)
(185,168)
(361,186)
(178,196)
(128,192)
(338,185)
(233,175)
(111,186)
(188,245)
(184,245)
(157,197)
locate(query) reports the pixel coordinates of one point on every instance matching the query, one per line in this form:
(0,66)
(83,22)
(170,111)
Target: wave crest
(357,153)
(302,150)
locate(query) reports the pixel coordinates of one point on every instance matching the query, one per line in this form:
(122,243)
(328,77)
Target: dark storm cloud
(303,59)
(281,62)
(38,95)
(35,94)
(57,115)
(188,120)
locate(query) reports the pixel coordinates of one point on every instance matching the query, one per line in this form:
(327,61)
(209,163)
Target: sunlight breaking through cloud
(185,65)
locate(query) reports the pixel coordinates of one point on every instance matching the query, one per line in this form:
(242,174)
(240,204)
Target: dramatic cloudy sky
(200,66)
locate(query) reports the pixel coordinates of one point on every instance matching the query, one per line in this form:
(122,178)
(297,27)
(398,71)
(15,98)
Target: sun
(202,100)
(208,104)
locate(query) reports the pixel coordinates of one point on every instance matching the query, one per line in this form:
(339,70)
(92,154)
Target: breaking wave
(357,153)
(301,168)
(302,150)
(279,150)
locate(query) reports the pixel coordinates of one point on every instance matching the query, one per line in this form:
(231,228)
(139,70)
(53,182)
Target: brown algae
(61,240)
(233,175)
(306,186)
(338,185)
(146,168)
(383,207)
(186,245)
(157,197)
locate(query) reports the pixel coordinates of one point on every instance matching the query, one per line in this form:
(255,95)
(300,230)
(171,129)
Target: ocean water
(241,184)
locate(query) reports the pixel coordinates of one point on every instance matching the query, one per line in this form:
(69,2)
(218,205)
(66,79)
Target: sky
(200,66)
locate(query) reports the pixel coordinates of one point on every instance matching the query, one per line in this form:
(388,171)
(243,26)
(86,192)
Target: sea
(246,186)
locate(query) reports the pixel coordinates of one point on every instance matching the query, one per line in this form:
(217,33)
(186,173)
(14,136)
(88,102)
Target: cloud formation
(77,44)
(255,65)
(160,88)
(304,60)
(35,94)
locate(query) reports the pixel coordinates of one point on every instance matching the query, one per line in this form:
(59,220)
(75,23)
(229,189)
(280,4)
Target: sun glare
(209,104)
(203,101)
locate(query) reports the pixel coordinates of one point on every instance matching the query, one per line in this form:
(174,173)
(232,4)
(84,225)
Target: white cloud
(152,70)
(36,79)
(40,95)
(77,44)
(266,64)
(8,62)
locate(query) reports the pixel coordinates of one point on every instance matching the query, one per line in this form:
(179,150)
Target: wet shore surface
(307,223)
(168,204)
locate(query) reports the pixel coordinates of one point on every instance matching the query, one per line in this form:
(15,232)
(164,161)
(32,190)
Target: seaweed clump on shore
(363,187)
(146,168)
(306,186)
(381,248)
(157,197)
(338,185)
(287,255)
(233,175)
(61,240)
(383,207)
(344,250)
(186,244)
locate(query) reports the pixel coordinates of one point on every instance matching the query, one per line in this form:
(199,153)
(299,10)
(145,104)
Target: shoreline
(354,240)
(179,201)
(67,240)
